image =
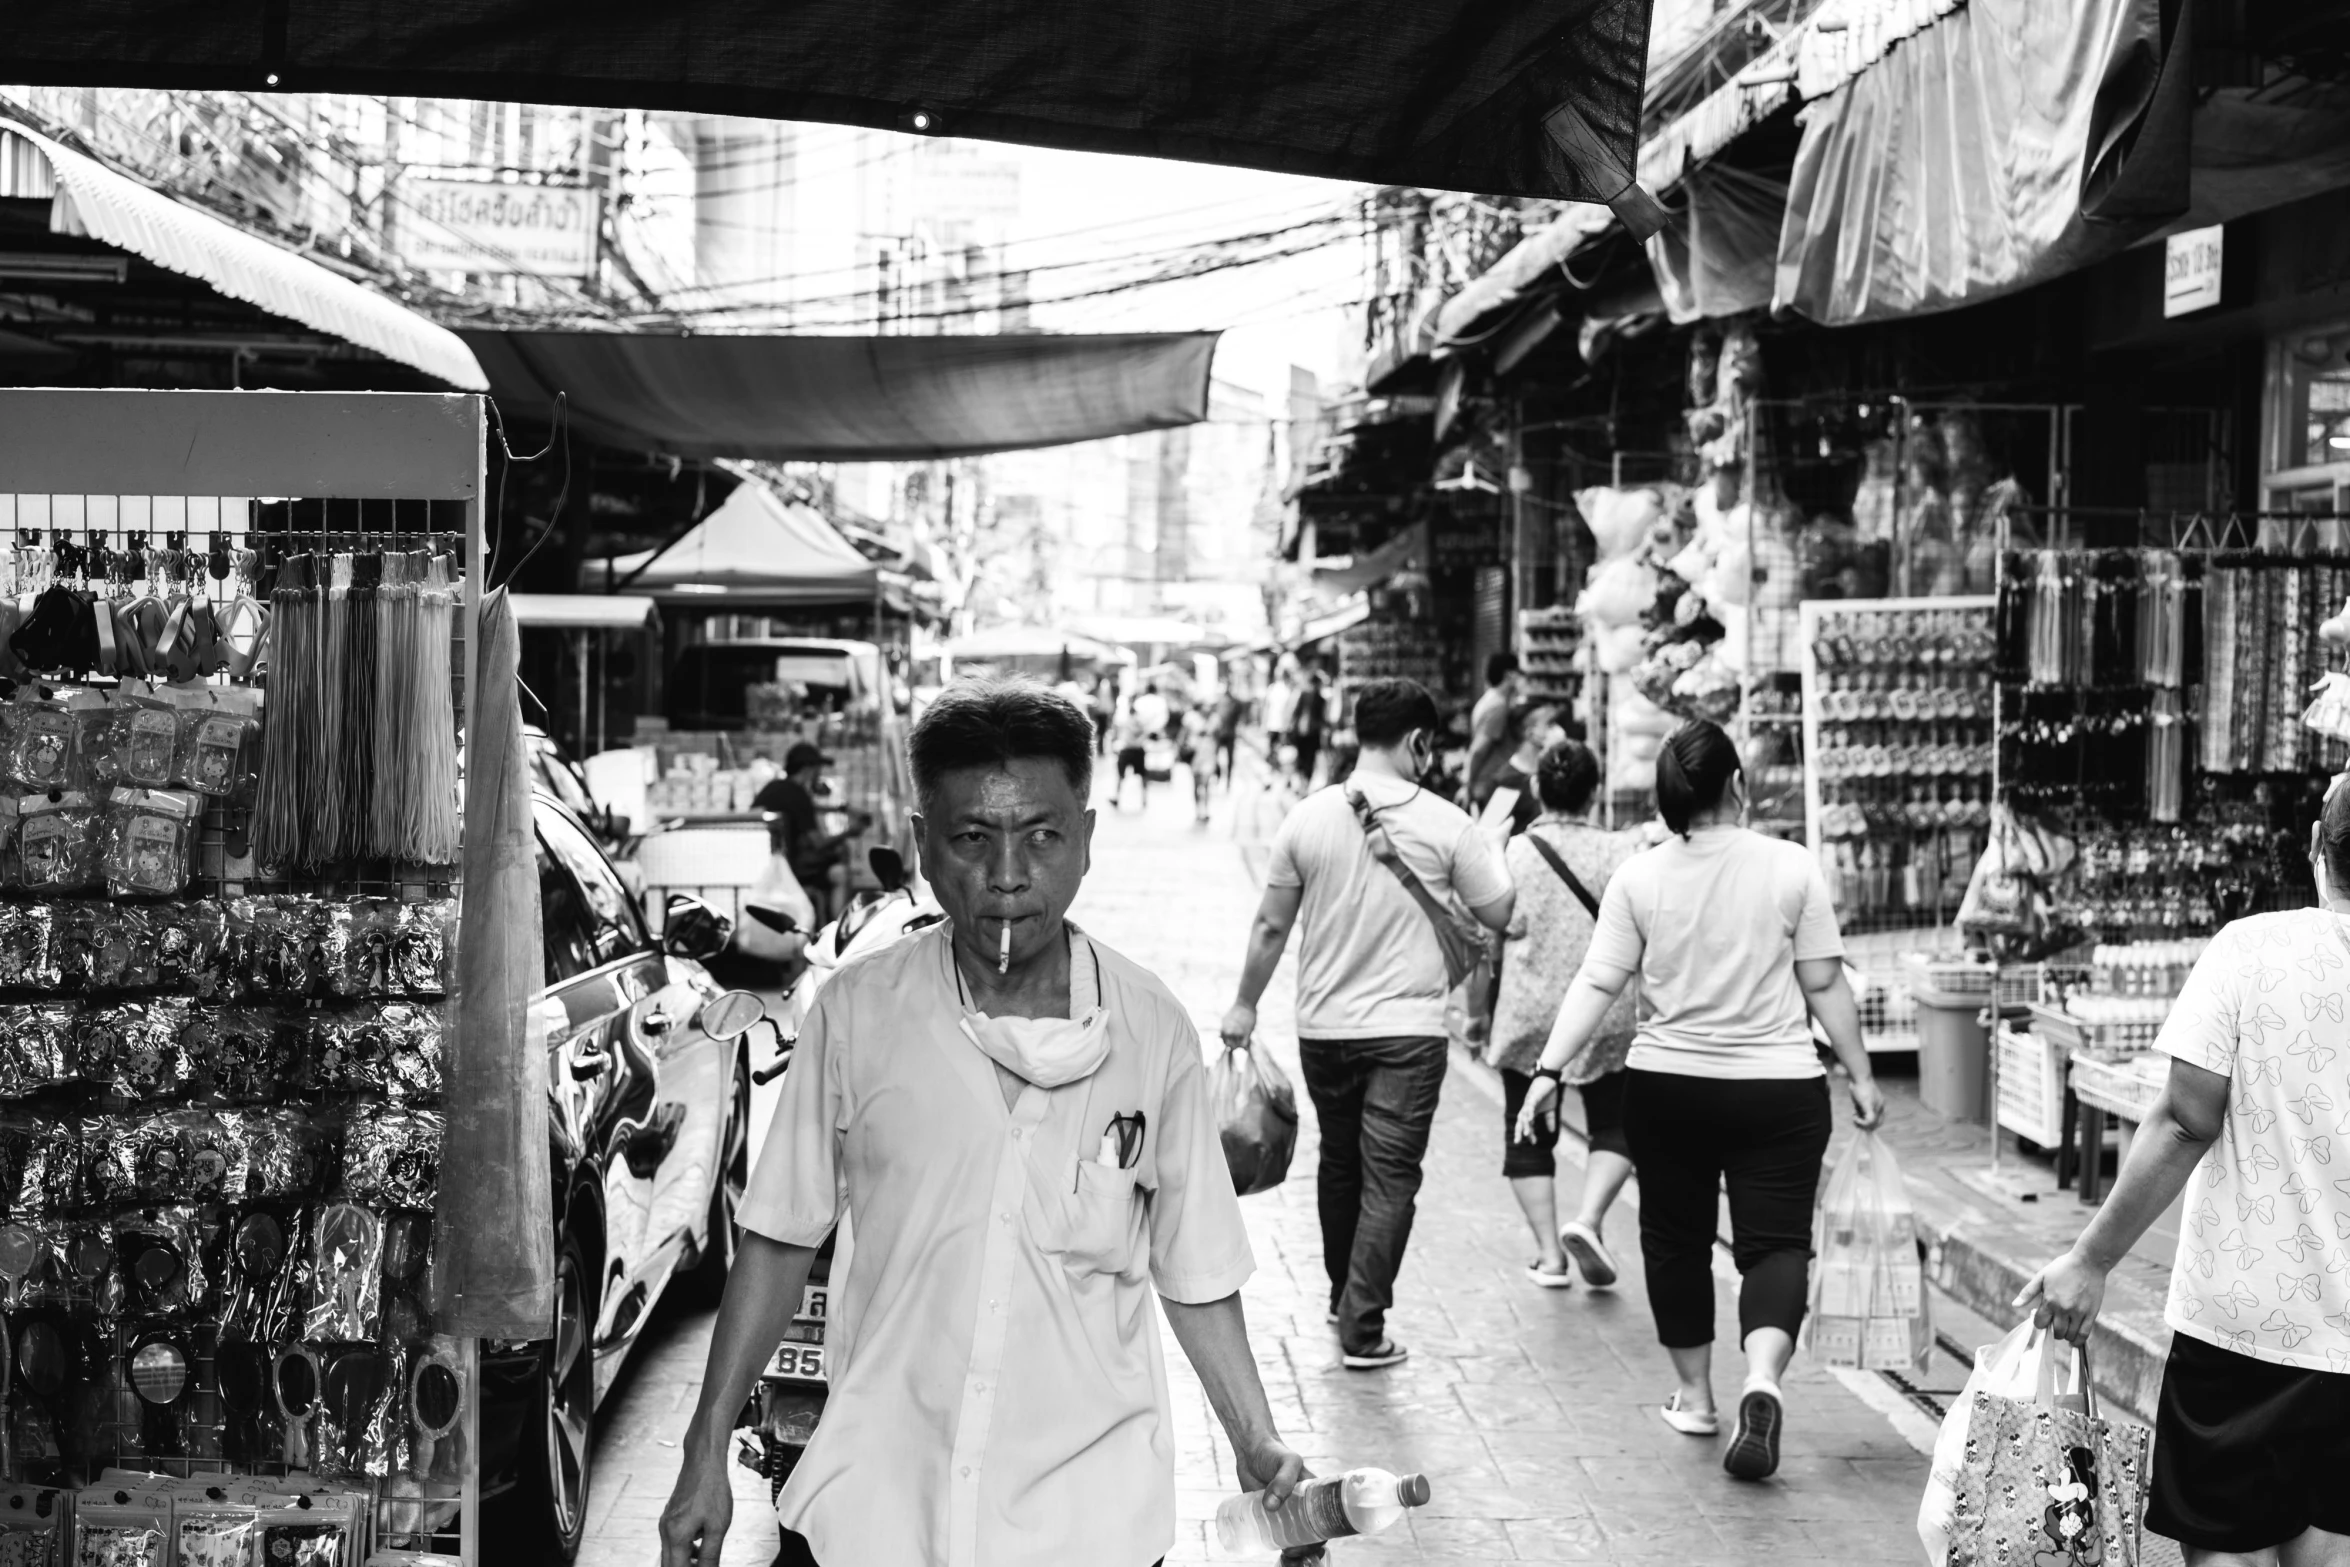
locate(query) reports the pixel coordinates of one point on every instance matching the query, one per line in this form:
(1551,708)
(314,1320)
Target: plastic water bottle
(1361,1501)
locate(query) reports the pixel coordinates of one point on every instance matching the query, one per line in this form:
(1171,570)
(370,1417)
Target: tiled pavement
(1532,1411)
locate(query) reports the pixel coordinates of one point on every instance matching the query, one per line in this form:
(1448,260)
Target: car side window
(614,928)
(563,921)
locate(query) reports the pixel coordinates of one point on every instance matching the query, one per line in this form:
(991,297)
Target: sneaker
(1389,1353)
(1562,1279)
(1753,1453)
(1690,1422)
(1582,1242)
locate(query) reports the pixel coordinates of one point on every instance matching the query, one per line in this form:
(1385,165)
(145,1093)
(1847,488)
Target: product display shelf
(249,1113)
(1549,646)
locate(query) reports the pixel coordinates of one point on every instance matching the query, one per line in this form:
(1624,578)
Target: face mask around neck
(1045,1051)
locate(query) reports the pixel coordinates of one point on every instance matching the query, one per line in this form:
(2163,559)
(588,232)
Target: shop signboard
(480,225)
(2191,269)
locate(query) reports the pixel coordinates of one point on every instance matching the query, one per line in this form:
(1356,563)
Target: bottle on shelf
(1361,1501)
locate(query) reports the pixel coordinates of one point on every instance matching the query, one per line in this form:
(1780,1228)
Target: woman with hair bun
(1737,953)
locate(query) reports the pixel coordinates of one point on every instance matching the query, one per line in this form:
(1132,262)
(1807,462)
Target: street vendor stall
(273,1161)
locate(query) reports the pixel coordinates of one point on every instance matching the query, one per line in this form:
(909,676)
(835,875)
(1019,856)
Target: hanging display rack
(241,656)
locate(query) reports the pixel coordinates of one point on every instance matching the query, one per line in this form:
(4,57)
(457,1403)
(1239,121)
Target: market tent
(999,642)
(1147,631)
(1521,97)
(850,399)
(756,547)
(91,200)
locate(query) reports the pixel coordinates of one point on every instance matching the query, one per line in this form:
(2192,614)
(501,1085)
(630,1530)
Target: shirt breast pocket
(1102,1223)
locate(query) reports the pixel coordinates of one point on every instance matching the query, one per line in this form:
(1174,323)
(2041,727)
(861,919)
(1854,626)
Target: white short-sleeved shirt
(1368,962)
(1712,927)
(998,1394)
(2263,1266)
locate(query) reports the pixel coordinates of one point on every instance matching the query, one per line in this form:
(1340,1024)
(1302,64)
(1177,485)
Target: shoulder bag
(1566,874)
(1463,946)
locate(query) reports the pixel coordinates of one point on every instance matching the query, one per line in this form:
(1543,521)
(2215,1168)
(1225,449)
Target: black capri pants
(1603,1124)
(1765,1139)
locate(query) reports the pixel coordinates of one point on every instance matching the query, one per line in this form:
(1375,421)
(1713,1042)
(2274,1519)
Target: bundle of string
(358,702)
(289,736)
(2057,623)
(395,690)
(327,841)
(429,811)
(2162,619)
(2166,758)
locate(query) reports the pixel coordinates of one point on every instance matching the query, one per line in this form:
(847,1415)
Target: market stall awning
(1520,97)
(851,399)
(1147,631)
(92,200)
(756,548)
(582,611)
(977,647)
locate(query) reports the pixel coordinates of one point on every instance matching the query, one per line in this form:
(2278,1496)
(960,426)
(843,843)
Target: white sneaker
(1581,1242)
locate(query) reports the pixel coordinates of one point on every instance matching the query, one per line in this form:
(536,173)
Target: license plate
(800,1363)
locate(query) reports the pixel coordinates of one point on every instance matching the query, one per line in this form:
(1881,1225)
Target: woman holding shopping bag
(1736,950)
(1561,865)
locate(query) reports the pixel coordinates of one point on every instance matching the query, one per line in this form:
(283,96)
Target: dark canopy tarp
(850,399)
(1447,93)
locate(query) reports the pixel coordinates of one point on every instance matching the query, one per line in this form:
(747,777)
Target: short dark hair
(1499,667)
(1388,710)
(1565,777)
(1692,772)
(987,721)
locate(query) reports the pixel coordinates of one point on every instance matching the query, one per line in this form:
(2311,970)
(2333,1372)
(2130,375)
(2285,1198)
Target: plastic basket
(1948,982)
(2031,1086)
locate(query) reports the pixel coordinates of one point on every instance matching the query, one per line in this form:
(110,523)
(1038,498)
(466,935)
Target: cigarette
(1003,961)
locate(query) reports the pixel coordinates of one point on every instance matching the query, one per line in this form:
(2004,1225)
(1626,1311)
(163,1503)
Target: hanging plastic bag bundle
(1868,1296)
(2027,1471)
(1256,1116)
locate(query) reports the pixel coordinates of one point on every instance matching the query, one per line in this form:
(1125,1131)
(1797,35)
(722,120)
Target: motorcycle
(789,1400)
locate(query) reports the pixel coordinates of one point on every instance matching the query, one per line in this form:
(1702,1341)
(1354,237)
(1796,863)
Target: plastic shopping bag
(1256,1116)
(779,889)
(2039,1476)
(1868,1290)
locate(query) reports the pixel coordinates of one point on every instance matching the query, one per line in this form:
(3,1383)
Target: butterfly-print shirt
(2264,1253)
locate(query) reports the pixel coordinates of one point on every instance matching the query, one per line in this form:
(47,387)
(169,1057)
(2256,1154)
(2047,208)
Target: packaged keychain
(209,1530)
(393,1158)
(56,842)
(24,947)
(253,1058)
(361,940)
(40,754)
(412,1050)
(73,944)
(36,1047)
(40,1165)
(146,742)
(150,841)
(113,1527)
(283,1152)
(192,949)
(421,949)
(135,1048)
(218,740)
(32,1525)
(347,1255)
(126,949)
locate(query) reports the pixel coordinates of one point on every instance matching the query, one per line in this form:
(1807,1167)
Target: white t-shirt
(2264,1251)
(1368,964)
(1279,704)
(1713,926)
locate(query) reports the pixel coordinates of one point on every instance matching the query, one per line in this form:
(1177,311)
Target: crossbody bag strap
(1566,874)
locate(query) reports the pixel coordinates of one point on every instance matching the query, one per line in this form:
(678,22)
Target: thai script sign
(450,225)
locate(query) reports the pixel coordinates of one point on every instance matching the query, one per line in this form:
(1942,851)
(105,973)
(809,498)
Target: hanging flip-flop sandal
(1690,1422)
(1753,1453)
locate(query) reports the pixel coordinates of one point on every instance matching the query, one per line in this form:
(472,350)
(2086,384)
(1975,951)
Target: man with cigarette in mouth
(1016,1118)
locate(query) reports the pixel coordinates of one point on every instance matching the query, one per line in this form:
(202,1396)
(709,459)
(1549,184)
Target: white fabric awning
(582,611)
(94,201)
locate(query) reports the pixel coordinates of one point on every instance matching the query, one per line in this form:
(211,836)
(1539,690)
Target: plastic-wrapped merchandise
(218,744)
(254,1055)
(145,736)
(414,1035)
(24,947)
(126,952)
(135,1049)
(283,1152)
(150,841)
(176,1156)
(161,1256)
(362,943)
(114,1527)
(40,1165)
(32,1525)
(37,1047)
(97,764)
(425,946)
(40,754)
(345,1289)
(209,1532)
(56,842)
(192,950)
(393,1158)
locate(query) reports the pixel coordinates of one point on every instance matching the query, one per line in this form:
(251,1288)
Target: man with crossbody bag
(1373,874)
(1560,865)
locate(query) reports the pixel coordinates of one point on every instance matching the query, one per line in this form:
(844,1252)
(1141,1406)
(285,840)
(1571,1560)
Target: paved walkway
(1532,1411)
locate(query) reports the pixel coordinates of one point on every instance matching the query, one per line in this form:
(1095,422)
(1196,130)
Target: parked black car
(650,1096)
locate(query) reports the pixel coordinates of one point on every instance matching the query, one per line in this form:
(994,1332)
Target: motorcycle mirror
(780,921)
(732,1015)
(889,867)
(693,929)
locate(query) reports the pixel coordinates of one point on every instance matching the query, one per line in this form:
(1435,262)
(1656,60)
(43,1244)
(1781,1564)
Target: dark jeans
(1375,1099)
(1765,1139)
